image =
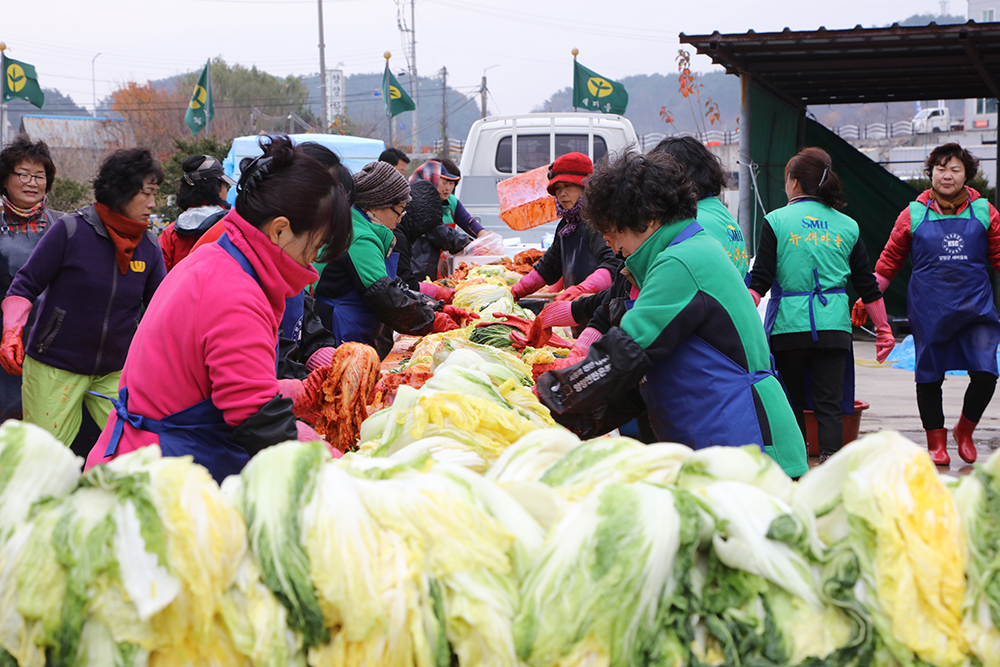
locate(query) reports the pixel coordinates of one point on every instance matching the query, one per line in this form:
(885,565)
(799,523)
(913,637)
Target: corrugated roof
(77,131)
(898,63)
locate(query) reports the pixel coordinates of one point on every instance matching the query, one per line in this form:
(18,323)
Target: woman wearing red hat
(578,255)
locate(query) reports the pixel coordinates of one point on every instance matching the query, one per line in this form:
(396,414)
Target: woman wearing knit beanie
(358,297)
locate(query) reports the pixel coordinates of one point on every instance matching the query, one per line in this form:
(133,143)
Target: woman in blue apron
(358,296)
(952,235)
(691,342)
(578,255)
(200,377)
(807,252)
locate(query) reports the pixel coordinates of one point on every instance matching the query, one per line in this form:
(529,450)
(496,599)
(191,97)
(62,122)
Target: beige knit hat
(380,185)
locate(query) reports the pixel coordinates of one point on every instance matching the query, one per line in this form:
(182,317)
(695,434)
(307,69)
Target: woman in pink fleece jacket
(199,378)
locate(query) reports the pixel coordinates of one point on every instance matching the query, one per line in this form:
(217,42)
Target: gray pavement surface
(891,393)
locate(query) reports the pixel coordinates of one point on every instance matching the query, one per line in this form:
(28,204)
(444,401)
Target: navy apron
(950,300)
(720,412)
(771,314)
(577,260)
(352,319)
(291,321)
(200,430)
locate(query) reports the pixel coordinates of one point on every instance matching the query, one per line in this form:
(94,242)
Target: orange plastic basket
(524,201)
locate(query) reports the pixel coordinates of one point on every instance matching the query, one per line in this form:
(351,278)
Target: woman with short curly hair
(691,344)
(98,268)
(952,235)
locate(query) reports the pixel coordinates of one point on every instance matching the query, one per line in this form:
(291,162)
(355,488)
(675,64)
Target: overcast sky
(529,40)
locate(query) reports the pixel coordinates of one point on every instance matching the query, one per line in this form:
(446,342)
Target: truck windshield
(533,150)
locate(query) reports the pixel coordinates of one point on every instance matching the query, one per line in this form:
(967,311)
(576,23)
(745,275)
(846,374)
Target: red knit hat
(570,168)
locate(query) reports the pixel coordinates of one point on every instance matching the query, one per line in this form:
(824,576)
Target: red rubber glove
(15,315)
(529,284)
(306,395)
(436,292)
(858,314)
(884,341)
(756,297)
(460,315)
(443,322)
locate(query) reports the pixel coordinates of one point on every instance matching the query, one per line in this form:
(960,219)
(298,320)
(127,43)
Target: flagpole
(387,99)
(575,53)
(208,97)
(3,104)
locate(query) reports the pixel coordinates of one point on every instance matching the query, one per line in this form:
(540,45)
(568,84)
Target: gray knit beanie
(380,185)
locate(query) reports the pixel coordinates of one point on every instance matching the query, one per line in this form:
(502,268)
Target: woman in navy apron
(200,378)
(952,235)
(807,252)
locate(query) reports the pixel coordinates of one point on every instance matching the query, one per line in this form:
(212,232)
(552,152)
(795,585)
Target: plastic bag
(489,243)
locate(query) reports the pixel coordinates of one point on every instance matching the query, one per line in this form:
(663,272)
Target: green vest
(715,219)
(812,236)
(448,215)
(917,211)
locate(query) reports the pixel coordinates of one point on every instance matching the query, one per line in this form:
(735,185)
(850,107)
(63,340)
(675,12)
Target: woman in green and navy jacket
(358,296)
(806,253)
(691,342)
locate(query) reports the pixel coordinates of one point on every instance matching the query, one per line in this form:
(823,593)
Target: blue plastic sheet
(903,357)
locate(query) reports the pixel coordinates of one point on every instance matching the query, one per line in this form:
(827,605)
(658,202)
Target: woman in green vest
(709,177)
(691,343)
(806,253)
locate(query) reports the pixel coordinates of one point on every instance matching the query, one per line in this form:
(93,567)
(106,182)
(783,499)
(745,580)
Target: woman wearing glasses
(26,176)
(98,267)
(358,296)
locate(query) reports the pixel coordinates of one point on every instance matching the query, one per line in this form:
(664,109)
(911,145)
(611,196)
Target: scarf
(571,216)
(23,216)
(950,206)
(125,234)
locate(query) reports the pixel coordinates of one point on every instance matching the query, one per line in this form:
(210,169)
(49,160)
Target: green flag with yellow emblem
(201,109)
(395,98)
(593,92)
(21,82)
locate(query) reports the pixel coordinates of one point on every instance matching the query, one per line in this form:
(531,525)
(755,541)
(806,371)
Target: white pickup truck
(937,119)
(488,157)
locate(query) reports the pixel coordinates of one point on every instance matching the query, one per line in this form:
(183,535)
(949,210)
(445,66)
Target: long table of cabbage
(597,553)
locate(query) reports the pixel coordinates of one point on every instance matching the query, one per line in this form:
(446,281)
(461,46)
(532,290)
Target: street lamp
(93,82)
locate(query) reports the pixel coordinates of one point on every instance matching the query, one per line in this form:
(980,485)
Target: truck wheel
(936,130)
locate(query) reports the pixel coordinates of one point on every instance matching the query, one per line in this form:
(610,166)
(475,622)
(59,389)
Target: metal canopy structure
(894,64)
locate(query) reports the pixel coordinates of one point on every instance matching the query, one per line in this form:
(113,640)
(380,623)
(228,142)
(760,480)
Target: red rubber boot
(937,445)
(963,435)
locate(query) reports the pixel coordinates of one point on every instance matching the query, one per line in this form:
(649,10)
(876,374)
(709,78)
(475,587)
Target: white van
(488,157)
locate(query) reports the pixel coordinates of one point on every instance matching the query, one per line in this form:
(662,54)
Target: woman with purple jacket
(98,268)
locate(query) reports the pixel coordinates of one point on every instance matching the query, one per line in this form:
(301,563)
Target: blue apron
(291,321)
(771,314)
(352,319)
(950,300)
(721,411)
(200,430)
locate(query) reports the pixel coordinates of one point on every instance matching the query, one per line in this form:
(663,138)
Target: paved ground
(892,396)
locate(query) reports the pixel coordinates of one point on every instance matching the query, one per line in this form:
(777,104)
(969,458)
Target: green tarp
(874,197)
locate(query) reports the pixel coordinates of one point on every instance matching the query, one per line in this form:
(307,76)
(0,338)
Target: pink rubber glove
(443,322)
(306,395)
(884,341)
(558,314)
(883,282)
(529,284)
(756,297)
(587,338)
(321,357)
(598,281)
(460,315)
(558,287)
(306,433)
(15,315)
(436,292)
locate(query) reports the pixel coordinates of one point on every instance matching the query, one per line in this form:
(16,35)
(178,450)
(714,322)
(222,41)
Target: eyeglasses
(399,214)
(26,178)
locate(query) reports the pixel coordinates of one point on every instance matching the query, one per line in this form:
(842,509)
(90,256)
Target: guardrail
(901,128)
(709,138)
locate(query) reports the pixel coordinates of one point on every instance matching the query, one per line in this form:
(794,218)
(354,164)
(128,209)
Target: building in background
(78,143)
(981,113)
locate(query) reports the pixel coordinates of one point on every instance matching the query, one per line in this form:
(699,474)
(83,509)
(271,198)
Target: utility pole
(322,73)
(444,113)
(482,97)
(414,83)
